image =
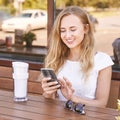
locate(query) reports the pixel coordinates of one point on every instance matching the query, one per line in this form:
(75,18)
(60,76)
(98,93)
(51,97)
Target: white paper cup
(19,67)
(20,87)
(20,76)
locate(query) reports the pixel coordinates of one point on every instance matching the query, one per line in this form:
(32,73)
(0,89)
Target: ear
(86,28)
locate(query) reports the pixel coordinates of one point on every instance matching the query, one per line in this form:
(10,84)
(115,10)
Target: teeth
(70,40)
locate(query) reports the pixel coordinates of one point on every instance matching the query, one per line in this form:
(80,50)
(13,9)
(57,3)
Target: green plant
(29,37)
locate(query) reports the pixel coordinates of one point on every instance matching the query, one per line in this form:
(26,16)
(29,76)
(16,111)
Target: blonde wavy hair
(58,51)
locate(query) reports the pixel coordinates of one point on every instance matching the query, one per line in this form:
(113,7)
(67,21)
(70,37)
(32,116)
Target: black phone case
(49,73)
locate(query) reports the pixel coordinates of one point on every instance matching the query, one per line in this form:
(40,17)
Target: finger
(67,82)
(62,82)
(46,85)
(52,88)
(44,80)
(50,83)
(51,91)
(72,90)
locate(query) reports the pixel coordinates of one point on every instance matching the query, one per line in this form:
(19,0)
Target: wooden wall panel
(34,86)
(114,94)
(6,80)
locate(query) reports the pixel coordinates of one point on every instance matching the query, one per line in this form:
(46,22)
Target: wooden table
(39,108)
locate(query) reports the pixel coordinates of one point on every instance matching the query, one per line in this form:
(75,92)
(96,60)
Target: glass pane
(105,21)
(24,16)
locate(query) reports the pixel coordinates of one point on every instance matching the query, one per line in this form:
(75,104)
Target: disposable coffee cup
(20,87)
(20,67)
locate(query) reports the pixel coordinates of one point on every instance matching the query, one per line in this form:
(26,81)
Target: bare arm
(102,92)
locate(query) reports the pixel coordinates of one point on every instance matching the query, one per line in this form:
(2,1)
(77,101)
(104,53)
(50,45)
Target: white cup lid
(20,64)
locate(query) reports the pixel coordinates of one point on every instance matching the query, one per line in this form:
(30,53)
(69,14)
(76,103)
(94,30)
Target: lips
(69,41)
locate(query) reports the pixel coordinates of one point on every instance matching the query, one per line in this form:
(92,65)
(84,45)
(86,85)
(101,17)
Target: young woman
(83,73)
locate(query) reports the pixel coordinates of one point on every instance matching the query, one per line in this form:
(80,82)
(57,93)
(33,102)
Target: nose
(68,34)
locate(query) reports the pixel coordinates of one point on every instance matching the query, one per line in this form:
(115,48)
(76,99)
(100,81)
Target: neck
(74,55)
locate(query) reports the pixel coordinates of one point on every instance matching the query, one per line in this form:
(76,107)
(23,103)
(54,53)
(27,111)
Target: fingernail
(56,82)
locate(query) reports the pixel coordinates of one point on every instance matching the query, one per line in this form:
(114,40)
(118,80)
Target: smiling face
(72,31)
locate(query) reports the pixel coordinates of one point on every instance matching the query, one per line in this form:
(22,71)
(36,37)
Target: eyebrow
(70,27)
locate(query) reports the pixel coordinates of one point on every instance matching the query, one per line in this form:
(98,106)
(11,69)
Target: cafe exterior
(38,107)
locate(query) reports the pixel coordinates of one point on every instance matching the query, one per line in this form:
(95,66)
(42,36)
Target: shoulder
(101,56)
(102,60)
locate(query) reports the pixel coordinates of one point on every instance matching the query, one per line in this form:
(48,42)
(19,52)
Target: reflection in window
(27,15)
(42,14)
(36,15)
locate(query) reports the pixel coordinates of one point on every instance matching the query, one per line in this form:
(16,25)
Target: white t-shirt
(71,70)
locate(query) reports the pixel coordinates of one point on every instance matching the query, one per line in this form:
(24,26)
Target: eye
(62,30)
(73,29)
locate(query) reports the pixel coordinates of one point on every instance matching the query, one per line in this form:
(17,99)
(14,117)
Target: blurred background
(105,15)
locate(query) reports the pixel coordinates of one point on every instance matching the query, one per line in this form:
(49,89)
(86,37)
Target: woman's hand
(49,88)
(66,88)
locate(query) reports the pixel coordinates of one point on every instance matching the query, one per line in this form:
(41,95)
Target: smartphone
(49,72)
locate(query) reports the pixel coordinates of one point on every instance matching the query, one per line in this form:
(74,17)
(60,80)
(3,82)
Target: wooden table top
(39,108)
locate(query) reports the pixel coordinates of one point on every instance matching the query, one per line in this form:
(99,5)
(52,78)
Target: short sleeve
(102,60)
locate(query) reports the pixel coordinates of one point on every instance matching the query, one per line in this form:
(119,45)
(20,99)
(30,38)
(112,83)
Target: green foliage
(81,3)
(101,5)
(37,4)
(42,4)
(11,8)
(86,3)
(29,37)
(69,2)
(4,2)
